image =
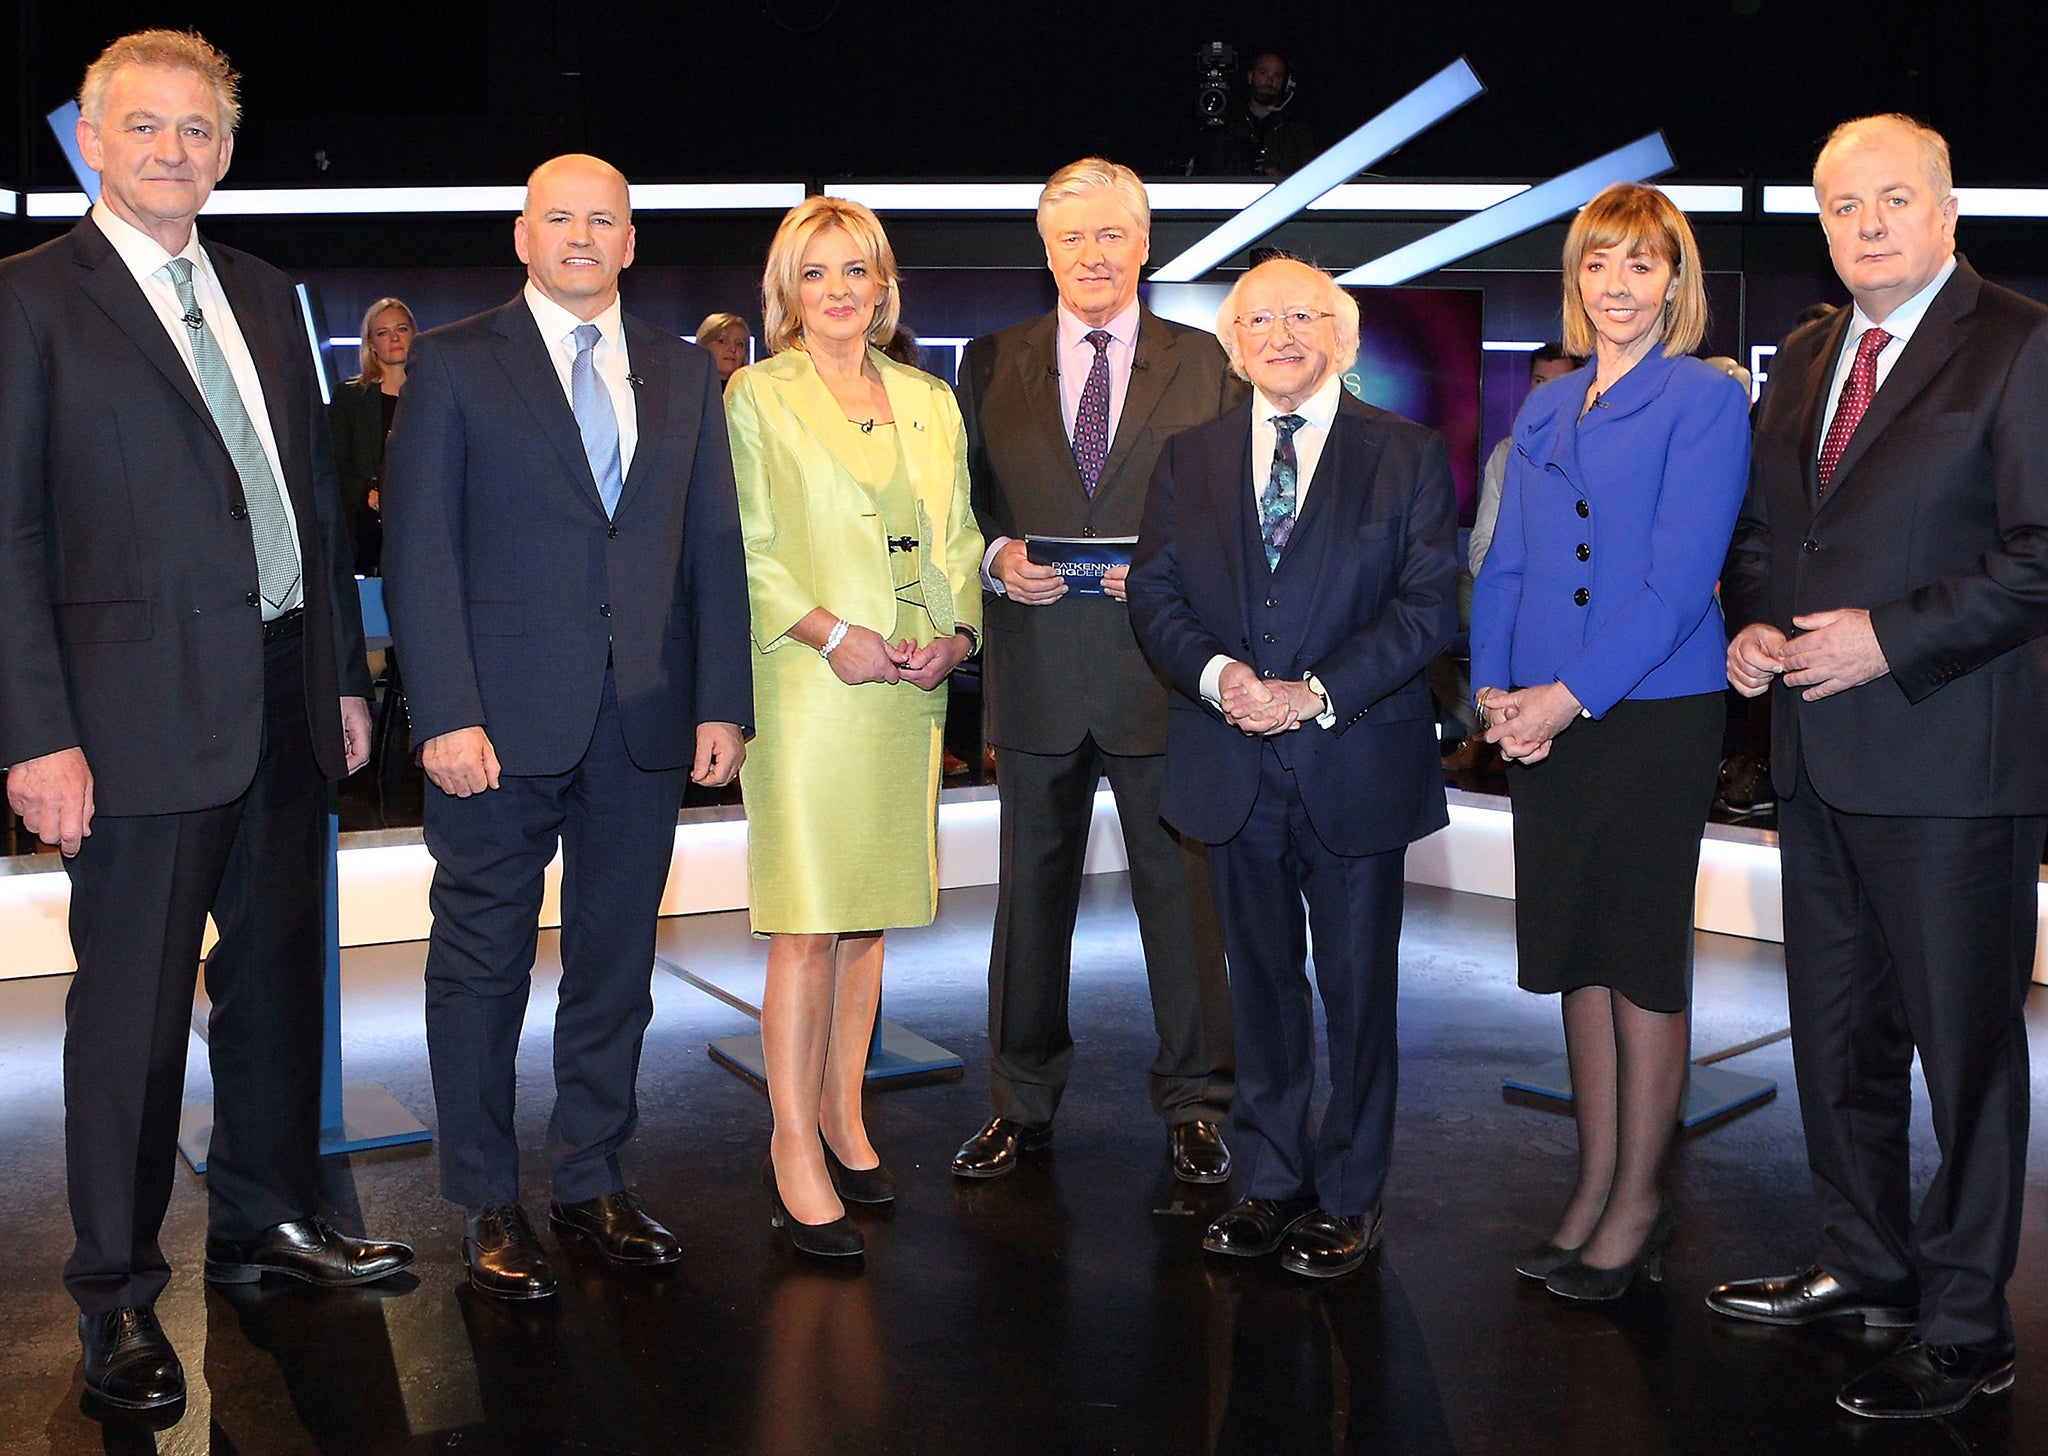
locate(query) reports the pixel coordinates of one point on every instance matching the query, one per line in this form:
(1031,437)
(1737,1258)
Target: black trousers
(141,888)
(1048,802)
(1905,935)
(616,824)
(1264,877)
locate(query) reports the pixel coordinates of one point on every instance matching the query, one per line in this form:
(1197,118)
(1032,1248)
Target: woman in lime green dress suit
(862,566)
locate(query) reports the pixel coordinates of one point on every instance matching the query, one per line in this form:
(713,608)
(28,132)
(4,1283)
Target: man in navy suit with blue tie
(1295,572)
(568,594)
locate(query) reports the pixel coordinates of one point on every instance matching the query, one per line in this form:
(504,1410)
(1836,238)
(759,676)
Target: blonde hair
(717,323)
(1642,220)
(373,367)
(782,315)
(177,50)
(1328,295)
(1933,148)
(1090,174)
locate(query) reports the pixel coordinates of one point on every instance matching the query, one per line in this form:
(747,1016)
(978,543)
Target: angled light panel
(1639,160)
(1414,113)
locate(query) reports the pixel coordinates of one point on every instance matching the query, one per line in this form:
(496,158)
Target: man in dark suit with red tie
(1295,573)
(181,673)
(1065,415)
(568,594)
(1889,586)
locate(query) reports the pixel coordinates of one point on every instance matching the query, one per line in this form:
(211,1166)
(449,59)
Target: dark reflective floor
(1065,1309)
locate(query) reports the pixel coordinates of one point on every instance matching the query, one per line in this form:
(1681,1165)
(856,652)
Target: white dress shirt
(1076,356)
(1899,323)
(147,260)
(558,327)
(1317,413)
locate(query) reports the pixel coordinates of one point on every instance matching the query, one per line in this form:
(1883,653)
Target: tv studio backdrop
(1449,347)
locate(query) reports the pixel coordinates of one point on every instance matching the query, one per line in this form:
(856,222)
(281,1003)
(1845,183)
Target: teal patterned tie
(1276,502)
(277,555)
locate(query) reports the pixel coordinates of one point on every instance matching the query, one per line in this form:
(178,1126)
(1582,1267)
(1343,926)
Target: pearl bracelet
(833,638)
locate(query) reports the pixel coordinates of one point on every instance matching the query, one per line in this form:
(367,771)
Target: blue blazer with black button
(511,593)
(1374,567)
(1612,530)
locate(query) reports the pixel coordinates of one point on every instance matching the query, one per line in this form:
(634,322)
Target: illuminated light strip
(10,202)
(941,196)
(1414,113)
(1973,201)
(1709,198)
(418,201)
(313,341)
(1511,346)
(1645,157)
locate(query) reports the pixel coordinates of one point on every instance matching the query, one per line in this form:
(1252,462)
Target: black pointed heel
(835,1240)
(1580,1280)
(859,1185)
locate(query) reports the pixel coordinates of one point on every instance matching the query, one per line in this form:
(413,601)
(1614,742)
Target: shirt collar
(557,323)
(1316,411)
(142,254)
(1123,328)
(1901,321)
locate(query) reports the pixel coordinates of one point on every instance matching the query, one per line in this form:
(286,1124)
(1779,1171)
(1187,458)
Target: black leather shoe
(1255,1226)
(1199,1155)
(994,1150)
(1919,1380)
(1804,1298)
(623,1231)
(837,1239)
(504,1255)
(1540,1261)
(1325,1245)
(308,1249)
(859,1185)
(129,1361)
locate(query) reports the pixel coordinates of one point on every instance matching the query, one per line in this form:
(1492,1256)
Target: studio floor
(1066,1308)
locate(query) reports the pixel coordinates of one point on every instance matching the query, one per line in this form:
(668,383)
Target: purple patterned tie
(1856,393)
(1091,420)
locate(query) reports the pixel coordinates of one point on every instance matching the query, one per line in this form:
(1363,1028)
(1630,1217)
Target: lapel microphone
(635,380)
(1141,362)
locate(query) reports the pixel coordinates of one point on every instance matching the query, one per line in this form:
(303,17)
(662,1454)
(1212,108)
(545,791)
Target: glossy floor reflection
(1063,1309)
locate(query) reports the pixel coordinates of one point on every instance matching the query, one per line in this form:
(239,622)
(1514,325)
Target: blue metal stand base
(1709,1091)
(370,1118)
(896,1052)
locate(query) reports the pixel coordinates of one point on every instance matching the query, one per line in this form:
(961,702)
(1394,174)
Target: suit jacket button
(1271,603)
(604,609)
(1585,552)
(1809,544)
(1584,510)
(1087,530)
(252,600)
(611,533)
(1269,636)
(1268,673)
(1582,596)
(238,513)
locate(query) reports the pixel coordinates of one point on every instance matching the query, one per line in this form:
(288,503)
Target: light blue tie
(594,417)
(277,555)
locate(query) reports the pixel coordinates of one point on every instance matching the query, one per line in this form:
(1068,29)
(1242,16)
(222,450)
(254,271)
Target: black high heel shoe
(1580,1280)
(859,1185)
(1540,1261)
(835,1240)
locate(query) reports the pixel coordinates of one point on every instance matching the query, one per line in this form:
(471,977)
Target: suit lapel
(1933,343)
(1343,481)
(1154,362)
(650,410)
(113,289)
(1038,367)
(1232,477)
(1816,406)
(523,355)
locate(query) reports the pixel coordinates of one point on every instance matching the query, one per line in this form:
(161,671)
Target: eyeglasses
(1260,324)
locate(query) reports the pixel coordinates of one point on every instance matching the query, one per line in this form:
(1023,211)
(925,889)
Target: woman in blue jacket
(1599,646)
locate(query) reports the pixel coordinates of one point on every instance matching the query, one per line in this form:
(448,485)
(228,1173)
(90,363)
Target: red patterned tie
(1862,384)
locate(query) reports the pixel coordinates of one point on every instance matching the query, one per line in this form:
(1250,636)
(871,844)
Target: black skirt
(1607,849)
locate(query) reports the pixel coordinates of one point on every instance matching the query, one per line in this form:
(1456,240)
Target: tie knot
(1873,340)
(587,336)
(1099,338)
(180,270)
(1287,425)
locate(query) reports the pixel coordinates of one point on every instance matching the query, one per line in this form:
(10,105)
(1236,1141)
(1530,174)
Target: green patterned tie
(1276,502)
(277,555)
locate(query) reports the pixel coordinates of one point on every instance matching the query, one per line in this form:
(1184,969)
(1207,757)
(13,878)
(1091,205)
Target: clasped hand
(1260,707)
(1522,723)
(865,656)
(1834,651)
